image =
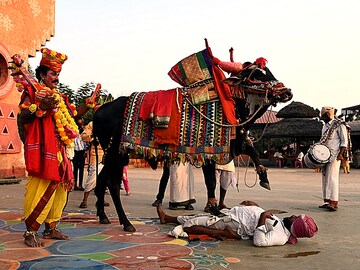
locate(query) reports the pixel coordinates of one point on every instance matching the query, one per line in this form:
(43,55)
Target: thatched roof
(298,110)
(355,127)
(295,127)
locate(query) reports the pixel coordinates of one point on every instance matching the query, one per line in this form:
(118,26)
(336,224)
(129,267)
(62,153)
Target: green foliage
(65,89)
(79,97)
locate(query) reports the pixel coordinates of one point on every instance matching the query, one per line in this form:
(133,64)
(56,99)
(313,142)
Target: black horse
(256,89)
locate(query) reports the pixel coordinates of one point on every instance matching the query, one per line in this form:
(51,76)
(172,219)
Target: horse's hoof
(265,185)
(157,202)
(129,228)
(104,221)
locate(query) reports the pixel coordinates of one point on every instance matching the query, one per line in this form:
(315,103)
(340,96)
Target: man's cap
(52,59)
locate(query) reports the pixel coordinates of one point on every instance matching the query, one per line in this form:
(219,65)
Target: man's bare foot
(32,239)
(230,233)
(161,214)
(55,234)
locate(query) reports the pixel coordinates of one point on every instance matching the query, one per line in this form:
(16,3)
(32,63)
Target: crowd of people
(52,125)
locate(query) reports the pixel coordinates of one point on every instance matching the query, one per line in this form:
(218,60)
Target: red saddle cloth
(157,105)
(162,107)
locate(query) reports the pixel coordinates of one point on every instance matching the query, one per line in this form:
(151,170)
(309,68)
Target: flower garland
(65,123)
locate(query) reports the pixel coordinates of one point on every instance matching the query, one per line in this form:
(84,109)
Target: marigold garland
(64,120)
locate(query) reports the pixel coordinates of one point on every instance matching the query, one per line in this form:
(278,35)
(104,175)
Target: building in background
(25,26)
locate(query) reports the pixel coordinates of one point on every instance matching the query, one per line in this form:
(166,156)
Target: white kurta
(330,172)
(181,183)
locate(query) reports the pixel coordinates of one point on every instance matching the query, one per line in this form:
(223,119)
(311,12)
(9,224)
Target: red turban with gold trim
(52,59)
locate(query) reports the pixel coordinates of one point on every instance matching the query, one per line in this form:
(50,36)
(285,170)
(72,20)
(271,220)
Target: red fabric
(171,134)
(146,105)
(40,146)
(223,90)
(65,169)
(163,103)
(202,237)
(303,226)
(157,103)
(261,61)
(176,75)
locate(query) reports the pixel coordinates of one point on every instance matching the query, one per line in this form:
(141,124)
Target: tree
(65,89)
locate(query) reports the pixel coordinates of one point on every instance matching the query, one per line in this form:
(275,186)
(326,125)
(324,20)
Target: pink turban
(303,226)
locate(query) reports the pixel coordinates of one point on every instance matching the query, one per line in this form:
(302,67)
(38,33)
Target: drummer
(337,142)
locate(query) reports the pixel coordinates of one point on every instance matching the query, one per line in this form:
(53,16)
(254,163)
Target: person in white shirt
(244,221)
(337,141)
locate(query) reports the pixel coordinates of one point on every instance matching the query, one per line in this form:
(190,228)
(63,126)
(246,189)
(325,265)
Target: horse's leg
(209,175)
(162,185)
(260,169)
(114,188)
(100,195)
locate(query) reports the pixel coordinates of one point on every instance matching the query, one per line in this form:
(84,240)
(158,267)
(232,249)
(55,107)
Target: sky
(312,46)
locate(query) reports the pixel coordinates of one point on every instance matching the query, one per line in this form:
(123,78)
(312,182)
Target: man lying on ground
(245,221)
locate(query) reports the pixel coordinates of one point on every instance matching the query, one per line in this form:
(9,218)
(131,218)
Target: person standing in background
(79,159)
(125,180)
(225,176)
(90,181)
(336,138)
(348,156)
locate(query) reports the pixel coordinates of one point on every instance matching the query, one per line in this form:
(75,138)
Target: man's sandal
(332,207)
(54,234)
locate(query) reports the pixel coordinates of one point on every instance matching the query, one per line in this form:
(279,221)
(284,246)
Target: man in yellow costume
(48,122)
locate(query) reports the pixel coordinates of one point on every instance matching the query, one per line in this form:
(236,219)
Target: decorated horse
(203,122)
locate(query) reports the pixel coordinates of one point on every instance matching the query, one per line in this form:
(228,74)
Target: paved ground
(336,246)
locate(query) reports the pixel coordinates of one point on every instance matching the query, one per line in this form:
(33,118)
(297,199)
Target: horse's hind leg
(209,175)
(100,195)
(114,189)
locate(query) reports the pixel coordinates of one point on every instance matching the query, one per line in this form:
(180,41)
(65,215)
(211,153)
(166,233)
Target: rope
(267,123)
(220,124)
(246,165)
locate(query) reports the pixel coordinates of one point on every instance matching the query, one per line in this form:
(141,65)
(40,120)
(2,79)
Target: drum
(317,156)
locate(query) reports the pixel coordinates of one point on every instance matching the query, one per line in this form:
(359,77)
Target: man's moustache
(55,81)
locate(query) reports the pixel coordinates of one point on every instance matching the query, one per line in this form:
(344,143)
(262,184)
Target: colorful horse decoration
(204,122)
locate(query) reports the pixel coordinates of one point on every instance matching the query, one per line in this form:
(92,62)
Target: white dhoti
(181,183)
(225,175)
(90,177)
(330,180)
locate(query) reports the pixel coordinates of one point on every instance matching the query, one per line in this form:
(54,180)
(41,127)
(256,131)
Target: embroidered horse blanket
(194,132)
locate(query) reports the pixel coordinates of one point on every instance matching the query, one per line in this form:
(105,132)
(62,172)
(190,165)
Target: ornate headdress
(52,59)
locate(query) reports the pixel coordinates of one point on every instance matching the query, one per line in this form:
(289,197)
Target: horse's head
(256,84)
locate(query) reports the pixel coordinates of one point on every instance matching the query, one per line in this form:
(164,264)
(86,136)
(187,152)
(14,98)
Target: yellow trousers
(35,189)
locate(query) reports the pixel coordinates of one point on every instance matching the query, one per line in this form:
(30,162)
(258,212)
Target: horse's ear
(232,81)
